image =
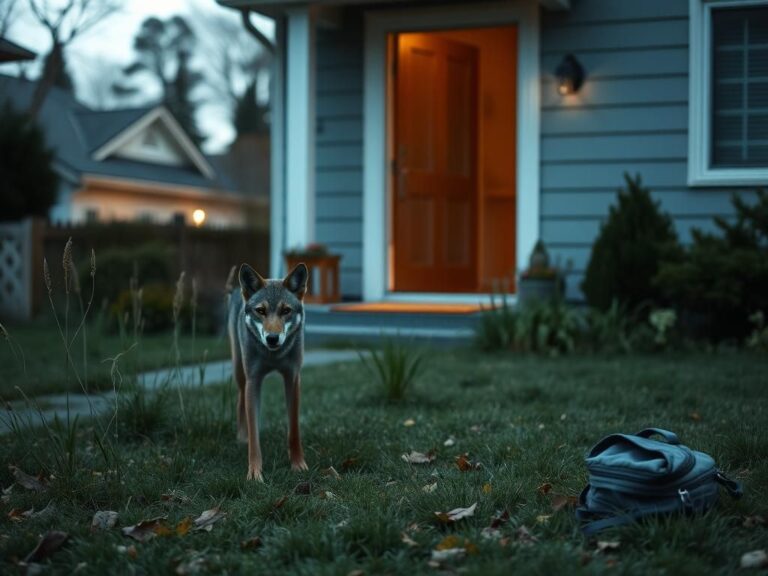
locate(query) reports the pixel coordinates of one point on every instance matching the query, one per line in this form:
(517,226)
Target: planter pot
(537,290)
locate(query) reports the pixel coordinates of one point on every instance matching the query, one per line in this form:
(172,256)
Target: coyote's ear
(250,281)
(296,281)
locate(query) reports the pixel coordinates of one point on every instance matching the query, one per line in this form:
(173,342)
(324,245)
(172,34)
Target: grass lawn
(528,421)
(42,369)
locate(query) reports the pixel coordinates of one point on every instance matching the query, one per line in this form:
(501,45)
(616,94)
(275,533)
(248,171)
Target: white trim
(277,192)
(700,173)
(167,189)
(160,114)
(300,128)
(444,298)
(525,14)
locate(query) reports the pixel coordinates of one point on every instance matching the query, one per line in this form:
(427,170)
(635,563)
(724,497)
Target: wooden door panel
(435,204)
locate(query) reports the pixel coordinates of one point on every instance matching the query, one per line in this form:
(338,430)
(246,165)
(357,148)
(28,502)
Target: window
(728,133)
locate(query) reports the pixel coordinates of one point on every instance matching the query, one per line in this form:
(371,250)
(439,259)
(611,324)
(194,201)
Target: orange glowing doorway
(453,148)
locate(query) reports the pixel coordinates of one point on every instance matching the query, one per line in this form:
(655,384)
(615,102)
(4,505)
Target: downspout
(255,32)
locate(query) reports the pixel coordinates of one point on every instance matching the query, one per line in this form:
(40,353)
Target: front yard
(528,421)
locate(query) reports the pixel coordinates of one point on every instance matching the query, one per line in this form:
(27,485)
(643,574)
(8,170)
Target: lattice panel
(14,288)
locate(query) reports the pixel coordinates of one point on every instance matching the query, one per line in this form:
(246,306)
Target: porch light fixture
(198,217)
(570,75)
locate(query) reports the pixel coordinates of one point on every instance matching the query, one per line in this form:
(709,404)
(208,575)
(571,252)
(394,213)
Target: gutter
(255,32)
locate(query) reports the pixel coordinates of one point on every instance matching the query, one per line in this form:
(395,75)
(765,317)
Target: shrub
(625,257)
(156,308)
(497,327)
(722,279)
(396,367)
(28,183)
(610,330)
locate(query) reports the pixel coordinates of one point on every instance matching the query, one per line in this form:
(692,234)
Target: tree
(250,116)
(626,254)
(7,15)
(55,67)
(28,186)
(64,22)
(164,50)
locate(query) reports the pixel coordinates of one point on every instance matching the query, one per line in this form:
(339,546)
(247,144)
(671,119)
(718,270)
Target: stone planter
(531,290)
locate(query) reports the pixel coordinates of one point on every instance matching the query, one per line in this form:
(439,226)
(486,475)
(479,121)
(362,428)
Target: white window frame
(700,172)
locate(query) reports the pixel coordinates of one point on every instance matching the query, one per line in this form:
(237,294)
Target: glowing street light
(198,217)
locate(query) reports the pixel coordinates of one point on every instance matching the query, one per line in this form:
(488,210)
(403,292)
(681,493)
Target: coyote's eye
(285,310)
(261,311)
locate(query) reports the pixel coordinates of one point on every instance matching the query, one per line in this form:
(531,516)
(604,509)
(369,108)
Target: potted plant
(540,281)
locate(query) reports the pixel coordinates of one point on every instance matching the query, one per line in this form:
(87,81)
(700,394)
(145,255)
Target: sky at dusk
(108,46)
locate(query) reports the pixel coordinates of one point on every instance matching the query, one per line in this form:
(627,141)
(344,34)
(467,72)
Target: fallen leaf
(757,559)
(490,533)
(408,541)
(456,514)
(26,481)
(487,488)
(464,464)
(429,488)
(279,502)
(252,543)
(146,529)
(695,416)
(448,555)
(184,526)
(524,536)
(418,458)
(450,441)
(611,562)
(331,472)
(450,541)
(476,428)
(349,463)
(48,545)
(174,497)
(194,565)
(504,542)
(500,519)
(103,520)
(604,546)
(327,495)
(544,489)
(410,422)
(17,514)
(303,488)
(560,501)
(356,573)
(207,519)
(543,518)
(563,417)
(129,550)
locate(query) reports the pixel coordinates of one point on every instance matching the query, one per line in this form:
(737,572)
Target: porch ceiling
(272,7)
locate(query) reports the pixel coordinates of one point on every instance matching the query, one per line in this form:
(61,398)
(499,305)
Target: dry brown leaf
(407,540)
(487,488)
(500,519)
(103,520)
(331,472)
(757,559)
(560,501)
(464,464)
(349,463)
(279,502)
(252,543)
(418,457)
(695,416)
(456,514)
(26,481)
(544,489)
(174,497)
(48,545)
(147,529)
(356,573)
(17,514)
(504,542)
(207,519)
(524,536)
(184,526)
(129,550)
(604,546)
(303,488)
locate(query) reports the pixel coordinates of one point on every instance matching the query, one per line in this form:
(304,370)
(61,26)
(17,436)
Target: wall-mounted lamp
(198,217)
(570,75)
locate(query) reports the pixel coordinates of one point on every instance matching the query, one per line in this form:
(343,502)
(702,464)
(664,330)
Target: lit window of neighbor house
(728,136)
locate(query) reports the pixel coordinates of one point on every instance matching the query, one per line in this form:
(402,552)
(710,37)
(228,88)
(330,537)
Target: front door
(435,165)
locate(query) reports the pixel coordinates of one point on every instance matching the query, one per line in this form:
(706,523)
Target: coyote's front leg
(252,401)
(292,401)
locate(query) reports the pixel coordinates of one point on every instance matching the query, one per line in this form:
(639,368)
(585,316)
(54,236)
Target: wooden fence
(206,254)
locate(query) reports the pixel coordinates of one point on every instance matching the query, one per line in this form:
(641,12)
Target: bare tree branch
(255,32)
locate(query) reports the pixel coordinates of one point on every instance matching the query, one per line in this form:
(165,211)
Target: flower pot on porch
(531,290)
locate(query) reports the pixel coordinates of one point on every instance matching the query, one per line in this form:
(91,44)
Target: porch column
(300,128)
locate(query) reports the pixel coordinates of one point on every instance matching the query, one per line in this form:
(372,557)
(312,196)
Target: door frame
(377,215)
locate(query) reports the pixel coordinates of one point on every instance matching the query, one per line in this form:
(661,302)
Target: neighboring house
(129,164)
(12,52)
(429,142)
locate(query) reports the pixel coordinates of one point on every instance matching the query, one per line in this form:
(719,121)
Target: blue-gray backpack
(632,476)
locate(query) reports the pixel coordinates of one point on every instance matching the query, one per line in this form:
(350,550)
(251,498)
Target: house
(432,143)
(130,164)
(12,52)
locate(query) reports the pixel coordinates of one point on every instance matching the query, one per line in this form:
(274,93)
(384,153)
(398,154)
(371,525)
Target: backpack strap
(670,437)
(734,488)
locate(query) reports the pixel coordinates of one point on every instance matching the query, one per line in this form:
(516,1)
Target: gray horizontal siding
(339,153)
(631,115)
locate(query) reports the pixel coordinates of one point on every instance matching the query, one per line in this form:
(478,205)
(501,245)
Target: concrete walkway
(46,408)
